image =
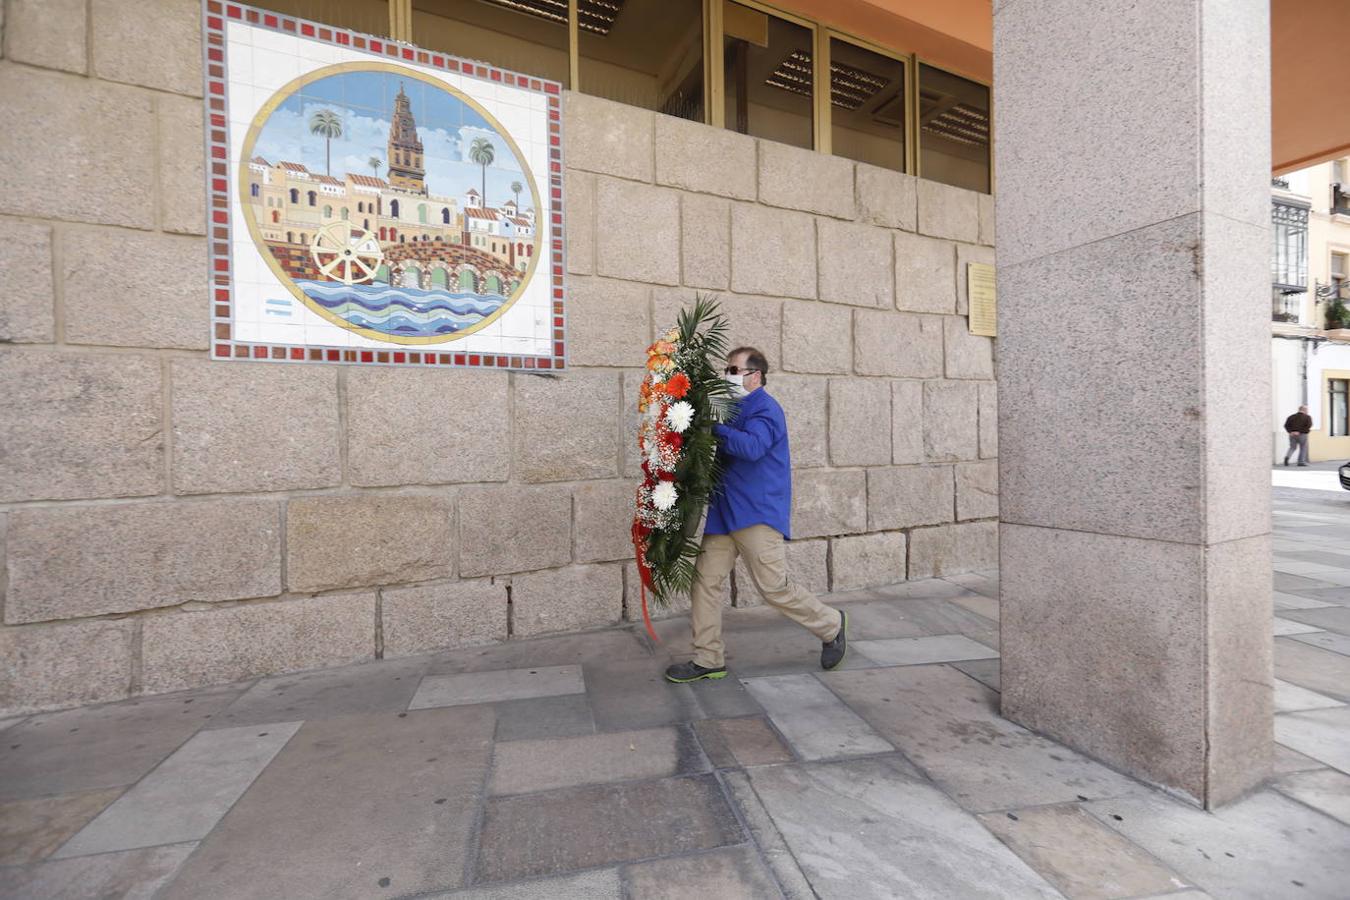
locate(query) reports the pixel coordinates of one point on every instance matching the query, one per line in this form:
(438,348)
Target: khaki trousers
(766,558)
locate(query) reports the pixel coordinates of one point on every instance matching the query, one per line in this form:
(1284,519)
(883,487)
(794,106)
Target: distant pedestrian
(1298,425)
(748,517)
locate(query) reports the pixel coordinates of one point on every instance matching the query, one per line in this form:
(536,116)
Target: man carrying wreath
(748,516)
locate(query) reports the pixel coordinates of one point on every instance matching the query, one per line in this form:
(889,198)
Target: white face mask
(737,383)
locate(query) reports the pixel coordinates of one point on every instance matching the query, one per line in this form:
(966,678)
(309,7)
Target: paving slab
(1285,602)
(1326,790)
(1284,627)
(1288,761)
(750,741)
(815,722)
(864,829)
(980,604)
(556,650)
(772,847)
(677,640)
(187,794)
(522,767)
(472,688)
(130,875)
(731,873)
(1320,598)
(949,726)
(979,582)
(627,695)
(1323,734)
(305,827)
(598,825)
(780,647)
(381,686)
(33,828)
(918,617)
(1327,618)
(1286,583)
(599,884)
(1327,640)
(543,717)
(1079,855)
(1331,577)
(986,671)
(990,637)
(1324,557)
(1262,847)
(1292,698)
(1332,527)
(922,589)
(725,699)
(919,651)
(102,746)
(1313,668)
(1302,567)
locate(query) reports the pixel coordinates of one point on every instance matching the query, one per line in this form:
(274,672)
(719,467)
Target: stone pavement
(565,768)
(1318,476)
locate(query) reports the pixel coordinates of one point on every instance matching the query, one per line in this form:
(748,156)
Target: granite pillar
(1133,158)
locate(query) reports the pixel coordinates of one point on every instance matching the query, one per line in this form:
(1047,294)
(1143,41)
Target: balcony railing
(1281,183)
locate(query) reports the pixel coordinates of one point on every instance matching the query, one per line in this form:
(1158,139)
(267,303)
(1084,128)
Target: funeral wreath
(681,397)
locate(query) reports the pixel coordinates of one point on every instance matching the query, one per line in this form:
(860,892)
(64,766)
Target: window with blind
(954,130)
(527,36)
(867,105)
(646,53)
(1338,423)
(768,76)
(1289,260)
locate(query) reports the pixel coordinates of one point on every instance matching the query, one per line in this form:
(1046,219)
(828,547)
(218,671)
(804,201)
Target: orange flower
(677,385)
(655,362)
(664,348)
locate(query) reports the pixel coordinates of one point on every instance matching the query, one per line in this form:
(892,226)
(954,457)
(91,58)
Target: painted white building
(501,232)
(1310,267)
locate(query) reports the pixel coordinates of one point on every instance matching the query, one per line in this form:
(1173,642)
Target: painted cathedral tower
(405,149)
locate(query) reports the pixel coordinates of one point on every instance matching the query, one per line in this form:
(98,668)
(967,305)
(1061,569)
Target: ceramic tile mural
(373,202)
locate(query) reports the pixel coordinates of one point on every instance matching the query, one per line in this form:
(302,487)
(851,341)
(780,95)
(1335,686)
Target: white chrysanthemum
(663,495)
(679,416)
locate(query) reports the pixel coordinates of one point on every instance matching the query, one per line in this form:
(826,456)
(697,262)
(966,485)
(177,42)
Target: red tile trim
(218,182)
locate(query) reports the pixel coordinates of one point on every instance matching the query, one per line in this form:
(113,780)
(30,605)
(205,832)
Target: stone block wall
(170,521)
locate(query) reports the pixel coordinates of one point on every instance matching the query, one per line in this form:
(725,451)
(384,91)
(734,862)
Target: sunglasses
(737,370)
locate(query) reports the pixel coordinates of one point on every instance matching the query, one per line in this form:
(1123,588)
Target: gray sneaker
(832,652)
(685,672)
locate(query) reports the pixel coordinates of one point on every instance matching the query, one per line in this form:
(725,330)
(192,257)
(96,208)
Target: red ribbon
(644,576)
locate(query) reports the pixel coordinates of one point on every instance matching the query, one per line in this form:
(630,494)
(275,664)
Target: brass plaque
(980,295)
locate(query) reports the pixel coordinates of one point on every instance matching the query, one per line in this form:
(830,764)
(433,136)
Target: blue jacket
(756,471)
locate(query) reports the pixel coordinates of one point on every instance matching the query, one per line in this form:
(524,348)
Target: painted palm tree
(516,188)
(328,125)
(482,152)
(375,163)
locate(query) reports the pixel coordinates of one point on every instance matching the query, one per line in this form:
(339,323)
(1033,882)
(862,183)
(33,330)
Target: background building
(1310,271)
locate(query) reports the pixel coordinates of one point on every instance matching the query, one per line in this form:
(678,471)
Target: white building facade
(1310,270)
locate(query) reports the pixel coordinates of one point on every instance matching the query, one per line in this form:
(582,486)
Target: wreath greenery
(681,398)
